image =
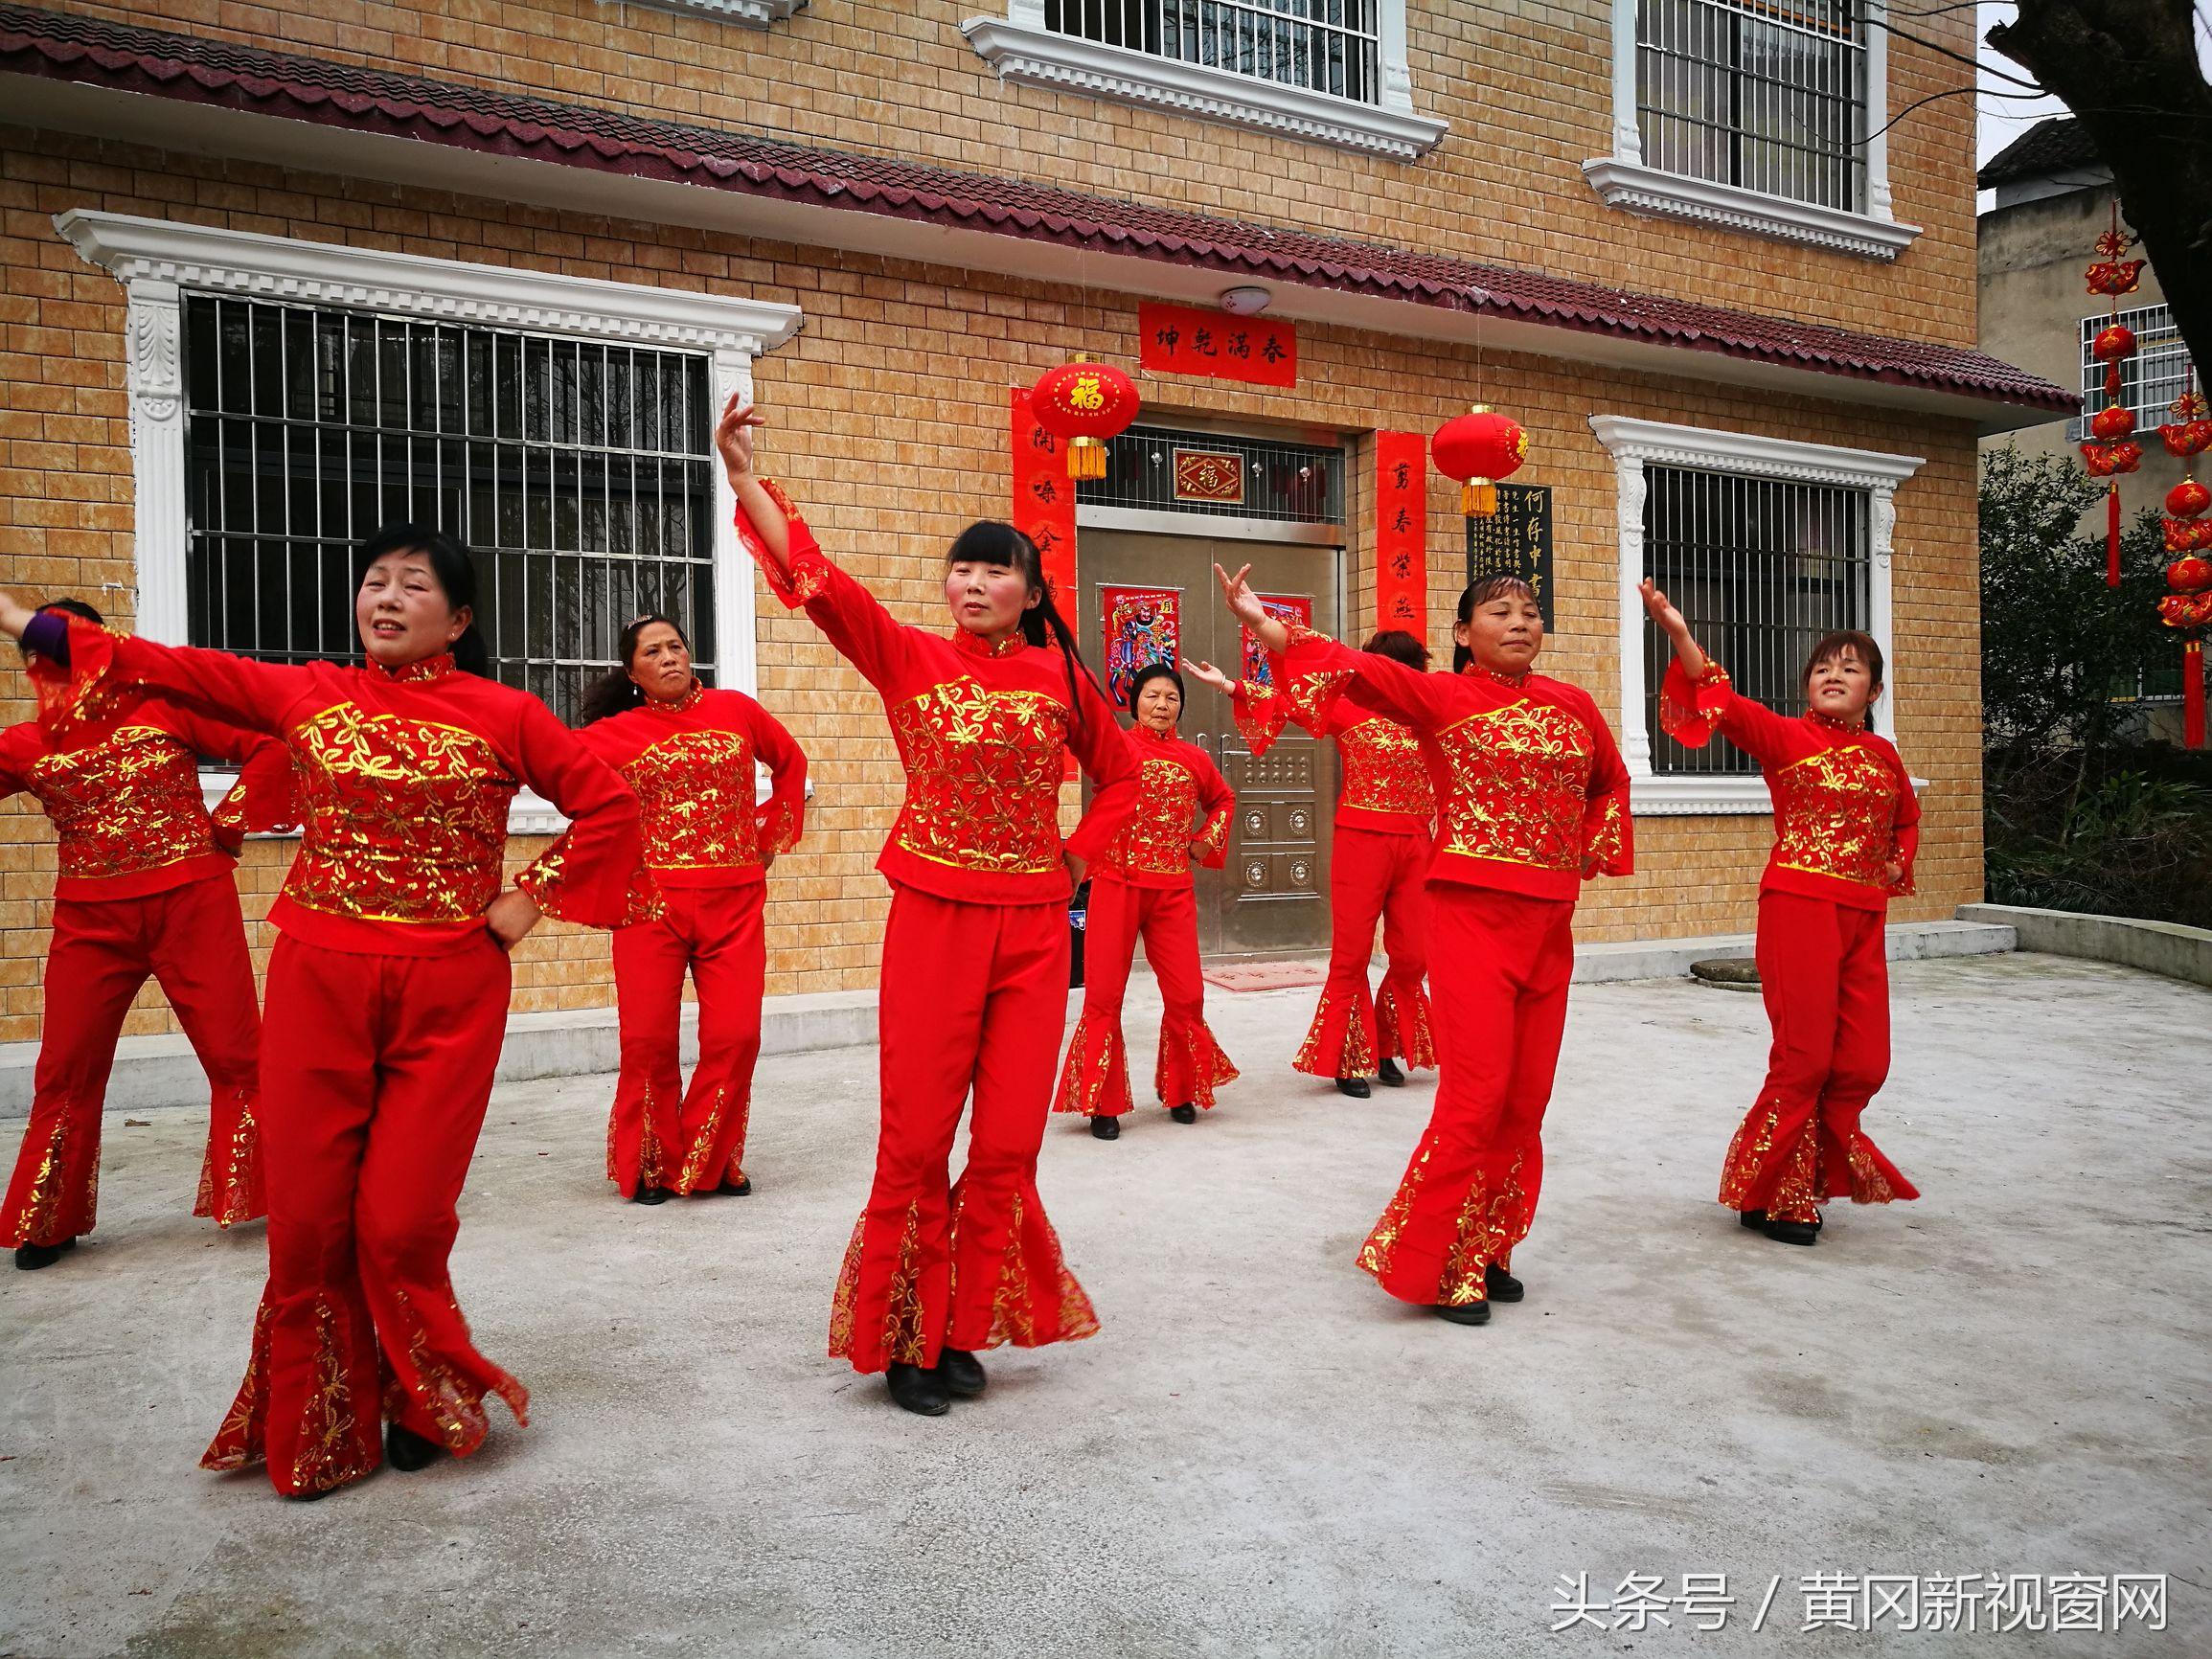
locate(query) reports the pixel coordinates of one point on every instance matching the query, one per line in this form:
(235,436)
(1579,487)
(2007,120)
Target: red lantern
(1478,448)
(2189,574)
(1085,403)
(2113,342)
(2113,424)
(2188,498)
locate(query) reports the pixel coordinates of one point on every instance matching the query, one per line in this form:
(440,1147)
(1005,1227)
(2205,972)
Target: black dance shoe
(1754,1218)
(1470,1313)
(741,1187)
(1355,1087)
(1792,1231)
(1106,1128)
(921,1392)
(1500,1286)
(960,1374)
(1389,1073)
(407,1451)
(30,1257)
(646,1195)
(1184,1114)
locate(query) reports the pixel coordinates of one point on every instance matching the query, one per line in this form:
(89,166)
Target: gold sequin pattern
(330,1454)
(1383,771)
(1520,785)
(695,793)
(1837,812)
(983,775)
(127,802)
(1156,840)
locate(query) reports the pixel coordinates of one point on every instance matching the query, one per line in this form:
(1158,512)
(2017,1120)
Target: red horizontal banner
(1192,340)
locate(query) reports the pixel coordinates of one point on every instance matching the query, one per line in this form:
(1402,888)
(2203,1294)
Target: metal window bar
(2148,381)
(1295,483)
(1331,46)
(1770,97)
(577,474)
(1761,569)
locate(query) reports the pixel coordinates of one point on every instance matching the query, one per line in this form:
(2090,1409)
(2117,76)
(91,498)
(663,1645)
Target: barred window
(2150,380)
(1767,95)
(577,473)
(1760,570)
(1330,46)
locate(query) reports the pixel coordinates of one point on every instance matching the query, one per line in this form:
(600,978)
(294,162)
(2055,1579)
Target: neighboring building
(276,273)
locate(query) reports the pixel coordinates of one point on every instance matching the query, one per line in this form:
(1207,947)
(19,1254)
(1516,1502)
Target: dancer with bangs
(973,989)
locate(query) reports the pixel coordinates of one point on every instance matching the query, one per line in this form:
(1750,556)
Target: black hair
(1481,593)
(614,691)
(456,574)
(993,541)
(1152,671)
(1835,644)
(76,607)
(1400,647)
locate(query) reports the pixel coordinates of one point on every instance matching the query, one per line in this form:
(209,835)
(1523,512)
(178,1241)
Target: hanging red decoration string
(1083,403)
(2108,451)
(1478,448)
(2187,604)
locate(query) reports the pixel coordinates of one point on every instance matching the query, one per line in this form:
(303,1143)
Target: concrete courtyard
(1260,1453)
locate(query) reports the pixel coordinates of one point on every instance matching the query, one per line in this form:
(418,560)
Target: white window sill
(752,14)
(1032,56)
(1690,794)
(1655,195)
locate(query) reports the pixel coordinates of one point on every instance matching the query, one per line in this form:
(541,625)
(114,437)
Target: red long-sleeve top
(1844,807)
(983,734)
(1388,788)
(1530,785)
(691,763)
(403,780)
(125,799)
(1178,786)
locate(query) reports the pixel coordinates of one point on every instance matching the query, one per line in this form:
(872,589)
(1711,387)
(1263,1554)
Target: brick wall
(890,425)
(1526,87)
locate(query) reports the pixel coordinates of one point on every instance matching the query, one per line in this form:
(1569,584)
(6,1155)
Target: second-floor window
(1330,46)
(1766,95)
(2150,380)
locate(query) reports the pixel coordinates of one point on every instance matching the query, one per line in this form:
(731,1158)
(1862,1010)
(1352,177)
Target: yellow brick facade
(890,405)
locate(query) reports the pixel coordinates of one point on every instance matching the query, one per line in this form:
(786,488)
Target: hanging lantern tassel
(1478,497)
(1085,458)
(2193,694)
(1478,448)
(2112,534)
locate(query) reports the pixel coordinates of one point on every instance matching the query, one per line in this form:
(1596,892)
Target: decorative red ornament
(2189,574)
(2106,459)
(2188,498)
(1085,403)
(2113,424)
(2186,438)
(2188,534)
(2115,276)
(2186,610)
(2113,342)
(1478,448)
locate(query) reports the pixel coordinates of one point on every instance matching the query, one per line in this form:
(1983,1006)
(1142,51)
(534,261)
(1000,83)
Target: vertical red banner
(1044,501)
(1401,532)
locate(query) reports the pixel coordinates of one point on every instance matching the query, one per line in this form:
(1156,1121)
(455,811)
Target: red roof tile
(61,46)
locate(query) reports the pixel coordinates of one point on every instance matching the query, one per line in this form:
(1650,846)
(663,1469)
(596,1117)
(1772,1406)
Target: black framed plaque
(1515,540)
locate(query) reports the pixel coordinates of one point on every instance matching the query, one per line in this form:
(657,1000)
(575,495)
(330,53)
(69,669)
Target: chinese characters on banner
(1045,508)
(1256,670)
(1401,532)
(1192,340)
(1143,626)
(1515,540)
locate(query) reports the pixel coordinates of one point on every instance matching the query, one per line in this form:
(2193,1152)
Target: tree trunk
(2128,70)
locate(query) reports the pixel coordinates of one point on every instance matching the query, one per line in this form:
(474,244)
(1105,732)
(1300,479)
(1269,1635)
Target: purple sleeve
(48,634)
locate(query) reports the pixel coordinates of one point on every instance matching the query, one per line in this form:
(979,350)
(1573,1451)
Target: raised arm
(1317,670)
(1697,697)
(87,660)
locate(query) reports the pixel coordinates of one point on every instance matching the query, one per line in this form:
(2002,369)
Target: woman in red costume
(1847,825)
(145,891)
(1378,871)
(688,751)
(387,994)
(974,978)
(1141,884)
(1532,800)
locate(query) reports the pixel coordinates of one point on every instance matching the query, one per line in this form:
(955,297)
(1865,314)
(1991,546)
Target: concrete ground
(1260,1454)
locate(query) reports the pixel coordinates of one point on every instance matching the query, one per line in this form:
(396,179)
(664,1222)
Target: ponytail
(615,692)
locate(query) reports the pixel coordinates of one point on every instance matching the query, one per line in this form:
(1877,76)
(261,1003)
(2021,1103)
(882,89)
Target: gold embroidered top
(1178,786)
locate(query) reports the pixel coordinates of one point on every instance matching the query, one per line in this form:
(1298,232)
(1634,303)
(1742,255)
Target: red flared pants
(1095,1080)
(378,1069)
(1499,965)
(1373,876)
(688,1140)
(192,941)
(971,1004)
(1824,975)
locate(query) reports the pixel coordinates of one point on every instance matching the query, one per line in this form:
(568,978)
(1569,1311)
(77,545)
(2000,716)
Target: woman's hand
(1893,874)
(15,618)
(1245,606)
(1661,610)
(1206,674)
(511,917)
(734,437)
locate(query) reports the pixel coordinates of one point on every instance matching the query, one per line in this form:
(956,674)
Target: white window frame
(1026,53)
(159,260)
(1624,181)
(1635,444)
(2159,343)
(750,13)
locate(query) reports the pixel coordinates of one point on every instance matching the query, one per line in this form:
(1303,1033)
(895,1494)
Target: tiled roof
(2059,144)
(228,74)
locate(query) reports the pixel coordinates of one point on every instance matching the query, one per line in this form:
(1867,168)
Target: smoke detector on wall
(1248,302)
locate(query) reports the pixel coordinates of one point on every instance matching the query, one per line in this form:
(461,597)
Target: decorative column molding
(1635,445)
(1627,131)
(736,621)
(1879,203)
(154,321)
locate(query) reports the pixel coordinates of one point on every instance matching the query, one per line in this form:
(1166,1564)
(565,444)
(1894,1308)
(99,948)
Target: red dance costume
(1533,797)
(1141,884)
(1843,811)
(385,1008)
(974,979)
(144,890)
(1378,871)
(691,762)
